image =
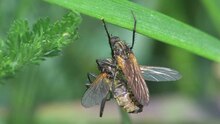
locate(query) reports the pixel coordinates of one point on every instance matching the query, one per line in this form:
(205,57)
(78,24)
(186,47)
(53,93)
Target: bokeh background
(50,93)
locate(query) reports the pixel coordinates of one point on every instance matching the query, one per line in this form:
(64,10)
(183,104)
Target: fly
(109,82)
(126,61)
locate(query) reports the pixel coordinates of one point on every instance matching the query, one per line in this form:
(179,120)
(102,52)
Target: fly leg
(134,30)
(109,37)
(90,76)
(102,106)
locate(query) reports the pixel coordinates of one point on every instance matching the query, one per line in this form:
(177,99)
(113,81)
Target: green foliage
(25,46)
(150,23)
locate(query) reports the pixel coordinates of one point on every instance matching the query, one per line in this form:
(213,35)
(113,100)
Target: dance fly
(126,61)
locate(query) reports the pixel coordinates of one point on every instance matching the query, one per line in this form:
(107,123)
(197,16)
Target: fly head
(106,66)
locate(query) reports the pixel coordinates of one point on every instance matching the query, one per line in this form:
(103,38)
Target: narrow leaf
(149,23)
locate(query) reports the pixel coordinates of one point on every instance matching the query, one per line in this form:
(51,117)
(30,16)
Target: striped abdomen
(126,99)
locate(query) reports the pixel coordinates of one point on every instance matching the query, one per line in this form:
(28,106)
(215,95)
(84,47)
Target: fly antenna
(134,30)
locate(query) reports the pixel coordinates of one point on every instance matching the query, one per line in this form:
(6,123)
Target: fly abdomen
(125,100)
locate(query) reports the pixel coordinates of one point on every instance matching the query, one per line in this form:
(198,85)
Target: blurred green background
(50,93)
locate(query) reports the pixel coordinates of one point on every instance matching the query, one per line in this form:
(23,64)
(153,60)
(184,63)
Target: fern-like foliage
(25,45)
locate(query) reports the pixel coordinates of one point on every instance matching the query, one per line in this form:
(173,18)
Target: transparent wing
(97,91)
(151,73)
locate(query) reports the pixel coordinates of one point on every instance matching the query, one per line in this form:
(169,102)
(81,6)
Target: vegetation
(49,91)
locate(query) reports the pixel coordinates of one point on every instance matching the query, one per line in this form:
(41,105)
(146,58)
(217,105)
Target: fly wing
(136,82)
(97,91)
(151,73)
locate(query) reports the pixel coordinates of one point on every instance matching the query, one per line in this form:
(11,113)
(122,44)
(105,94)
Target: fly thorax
(121,49)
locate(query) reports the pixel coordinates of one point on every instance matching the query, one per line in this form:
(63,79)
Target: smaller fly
(111,82)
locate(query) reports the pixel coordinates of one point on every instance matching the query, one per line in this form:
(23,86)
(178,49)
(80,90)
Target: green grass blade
(149,23)
(125,119)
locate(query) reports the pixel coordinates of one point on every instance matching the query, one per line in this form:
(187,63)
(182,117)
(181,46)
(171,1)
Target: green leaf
(25,46)
(149,23)
(125,117)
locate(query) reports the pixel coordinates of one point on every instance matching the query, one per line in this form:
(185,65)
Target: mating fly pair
(123,78)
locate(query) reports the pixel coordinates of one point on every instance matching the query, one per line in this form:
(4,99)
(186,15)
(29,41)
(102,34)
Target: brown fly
(126,61)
